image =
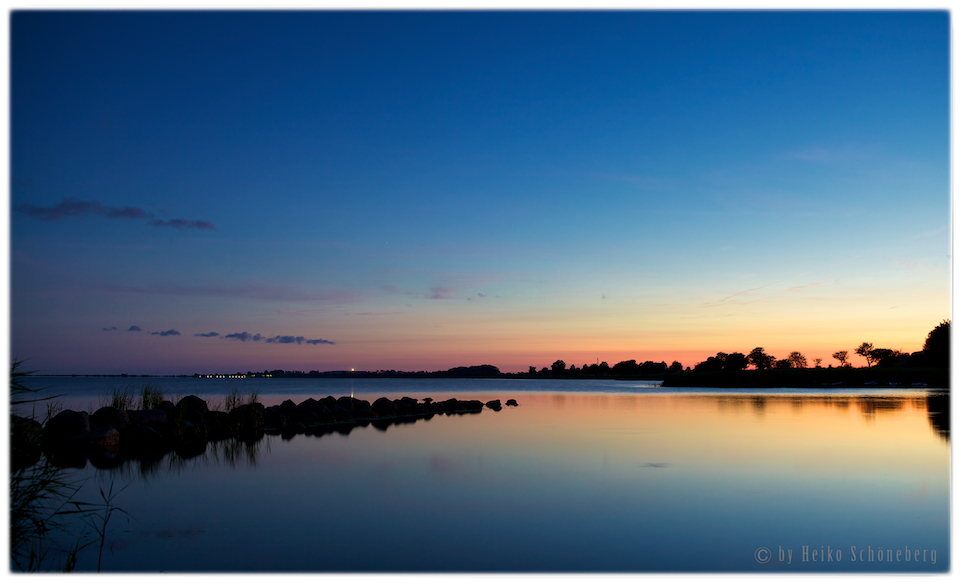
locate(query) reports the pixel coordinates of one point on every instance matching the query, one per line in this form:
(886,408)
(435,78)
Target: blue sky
(436,189)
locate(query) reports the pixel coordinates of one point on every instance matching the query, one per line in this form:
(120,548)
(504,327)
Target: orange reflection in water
(810,434)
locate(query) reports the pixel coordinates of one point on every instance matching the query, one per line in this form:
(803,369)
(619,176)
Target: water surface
(583,476)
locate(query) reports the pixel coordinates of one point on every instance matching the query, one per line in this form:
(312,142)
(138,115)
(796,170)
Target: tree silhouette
(936,347)
(797,360)
(559,367)
(885,356)
(864,350)
(760,360)
(841,355)
(736,361)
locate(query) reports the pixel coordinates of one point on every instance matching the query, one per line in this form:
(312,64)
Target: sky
(198,192)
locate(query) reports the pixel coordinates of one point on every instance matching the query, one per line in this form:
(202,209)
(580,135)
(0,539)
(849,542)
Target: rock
(194,416)
(217,424)
(167,407)
(24,442)
(494,404)
(66,425)
(304,416)
(511,402)
(402,409)
(384,407)
(362,410)
(109,417)
(273,418)
(296,428)
(341,414)
(247,420)
(149,439)
(150,417)
(329,401)
(24,432)
(323,413)
(100,438)
(190,432)
(193,402)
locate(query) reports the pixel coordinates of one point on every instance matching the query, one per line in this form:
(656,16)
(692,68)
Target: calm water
(582,477)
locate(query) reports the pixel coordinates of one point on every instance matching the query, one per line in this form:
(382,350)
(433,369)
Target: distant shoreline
(846,377)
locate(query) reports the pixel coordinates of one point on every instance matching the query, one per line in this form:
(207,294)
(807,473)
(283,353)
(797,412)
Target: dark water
(591,476)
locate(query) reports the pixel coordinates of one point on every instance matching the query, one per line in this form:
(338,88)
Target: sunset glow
(204,192)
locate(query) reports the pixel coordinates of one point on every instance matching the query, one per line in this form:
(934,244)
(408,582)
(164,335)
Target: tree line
(935,354)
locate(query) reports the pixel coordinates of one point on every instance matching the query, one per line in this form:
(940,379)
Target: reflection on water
(573,481)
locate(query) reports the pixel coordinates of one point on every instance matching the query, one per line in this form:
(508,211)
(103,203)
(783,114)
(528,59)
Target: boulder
(24,432)
(494,404)
(402,409)
(304,416)
(99,438)
(109,417)
(193,402)
(190,432)
(66,425)
(273,418)
(247,420)
(384,407)
(150,417)
(288,407)
(362,410)
(217,424)
(341,414)
(511,402)
(149,439)
(24,442)
(194,416)
(323,413)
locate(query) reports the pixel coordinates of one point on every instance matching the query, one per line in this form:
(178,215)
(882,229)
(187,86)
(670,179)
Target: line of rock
(111,435)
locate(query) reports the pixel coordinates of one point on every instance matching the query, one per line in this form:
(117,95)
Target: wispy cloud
(442,293)
(272,293)
(133,328)
(244,336)
(750,290)
(807,286)
(395,290)
(74,207)
(208,335)
(111,328)
(183,224)
(170,332)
